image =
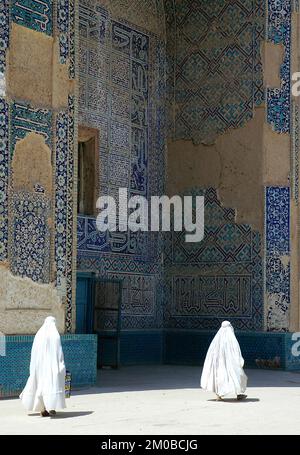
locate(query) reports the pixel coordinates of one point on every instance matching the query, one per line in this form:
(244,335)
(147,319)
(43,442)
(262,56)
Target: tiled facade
(133,62)
(121,70)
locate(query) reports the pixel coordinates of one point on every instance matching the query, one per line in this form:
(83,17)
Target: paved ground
(166,400)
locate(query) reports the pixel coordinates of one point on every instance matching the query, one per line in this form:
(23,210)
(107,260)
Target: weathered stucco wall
(39,74)
(24,304)
(233,165)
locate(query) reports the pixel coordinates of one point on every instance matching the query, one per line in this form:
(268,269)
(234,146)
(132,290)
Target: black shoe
(45,414)
(241,397)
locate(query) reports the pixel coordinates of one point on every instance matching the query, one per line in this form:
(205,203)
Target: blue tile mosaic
(215,73)
(66,25)
(278,220)
(277,257)
(61,178)
(30,243)
(62,22)
(295,144)
(4,177)
(4,35)
(64,219)
(34,14)
(279,32)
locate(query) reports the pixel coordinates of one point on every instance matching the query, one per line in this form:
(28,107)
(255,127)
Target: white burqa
(223,371)
(45,388)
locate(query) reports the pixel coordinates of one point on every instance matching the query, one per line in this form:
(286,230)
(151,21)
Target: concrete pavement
(166,400)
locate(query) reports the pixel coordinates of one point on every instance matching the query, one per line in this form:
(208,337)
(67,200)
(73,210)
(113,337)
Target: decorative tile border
(4,42)
(61,196)
(278,220)
(4,178)
(66,24)
(277,257)
(279,32)
(295,152)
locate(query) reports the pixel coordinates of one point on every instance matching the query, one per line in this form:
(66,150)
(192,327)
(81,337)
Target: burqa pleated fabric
(45,388)
(223,371)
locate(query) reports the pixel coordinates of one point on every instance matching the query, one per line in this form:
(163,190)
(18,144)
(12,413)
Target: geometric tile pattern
(4,175)
(64,219)
(4,39)
(219,277)
(278,220)
(71,220)
(277,257)
(66,24)
(62,23)
(279,32)
(61,195)
(215,70)
(34,14)
(295,151)
(30,243)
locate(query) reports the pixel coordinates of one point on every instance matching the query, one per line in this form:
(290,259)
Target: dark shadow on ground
(169,377)
(232,400)
(65,414)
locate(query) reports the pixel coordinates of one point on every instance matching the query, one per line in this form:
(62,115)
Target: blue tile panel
(219,277)
(65,24)
(4,177)
(80,352)
(34,14)
(279,32)
(4,33)
(277,257)
(215,77)
(190,347)
(30,244)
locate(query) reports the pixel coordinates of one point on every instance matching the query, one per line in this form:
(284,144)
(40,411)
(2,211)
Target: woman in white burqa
(223,371)
(45,388)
